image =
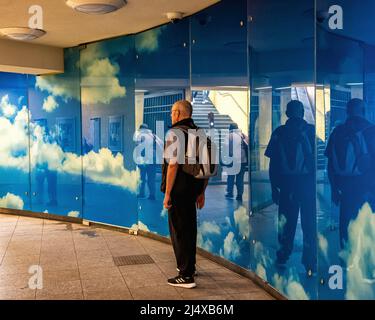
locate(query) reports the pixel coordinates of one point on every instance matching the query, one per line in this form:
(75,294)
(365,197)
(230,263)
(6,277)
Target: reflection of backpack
(350,157)
(296,154)
(206,165)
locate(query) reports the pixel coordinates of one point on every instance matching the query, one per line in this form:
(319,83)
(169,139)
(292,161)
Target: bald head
(181,110)
(185,108)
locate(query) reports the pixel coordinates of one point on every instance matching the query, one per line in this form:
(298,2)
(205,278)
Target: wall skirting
(217,259)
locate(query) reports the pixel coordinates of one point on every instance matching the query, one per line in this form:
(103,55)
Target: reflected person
(292,176)
(350,154)
(43,173)
(243,160)
(148,170)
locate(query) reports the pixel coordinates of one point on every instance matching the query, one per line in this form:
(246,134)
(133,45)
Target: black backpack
(350,155)
(296,153)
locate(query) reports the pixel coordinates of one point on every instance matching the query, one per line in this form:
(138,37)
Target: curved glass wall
(286,91)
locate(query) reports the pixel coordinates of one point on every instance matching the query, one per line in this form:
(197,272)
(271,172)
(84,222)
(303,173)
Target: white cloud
(74,214)
(100,82)
(205,244)
(281,223)
(241,219)
(6,108)
(59,86)
(231,249)
(102,167)
(207,228)
(148,41)
(360,256)
(323,245)
(14,141)
(290,286)
(164,213)
(261,271)
(50,104)
(140,226)
(11,201)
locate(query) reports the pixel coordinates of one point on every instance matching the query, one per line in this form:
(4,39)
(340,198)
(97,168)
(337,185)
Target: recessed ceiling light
(96,6)
(22,33)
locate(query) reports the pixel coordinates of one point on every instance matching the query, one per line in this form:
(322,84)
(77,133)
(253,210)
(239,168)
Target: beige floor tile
(252,296)
(207,264)
(15,269)
(14,281)
(222,274)
(104,284)
(213,297)
(59,266)
(239,286)
(143,279)
(10,260)
(17,294)
(61,287)
(108,295)
(40,295)
(98,272)
(151,268)
(161,292)
(61,276)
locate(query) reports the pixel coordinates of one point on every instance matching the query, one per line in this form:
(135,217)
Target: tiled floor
(77,263)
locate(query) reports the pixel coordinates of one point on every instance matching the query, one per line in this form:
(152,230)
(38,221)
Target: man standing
(350,153)
(148,168)
(183,194)
(235,135)
(292,176)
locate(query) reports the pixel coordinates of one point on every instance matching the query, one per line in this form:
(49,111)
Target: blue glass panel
(55,140)
(14,142)
(110,177)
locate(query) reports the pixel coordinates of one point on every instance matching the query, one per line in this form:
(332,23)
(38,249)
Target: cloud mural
(101,167)
(360,256)
(50,104)
(241,219)
(58,86)
(11,201)
(290,285)
(7,109)
(148,41)
(231,249)
(100,75)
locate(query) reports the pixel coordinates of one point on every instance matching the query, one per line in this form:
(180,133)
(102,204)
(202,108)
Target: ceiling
(67,28)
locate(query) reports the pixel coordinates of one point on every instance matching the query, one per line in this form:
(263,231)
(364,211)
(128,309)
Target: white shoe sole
(183,285)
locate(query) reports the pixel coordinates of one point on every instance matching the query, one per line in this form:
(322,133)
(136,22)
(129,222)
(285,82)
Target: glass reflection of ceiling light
(22,33)
(96,6)
(263,88)
(353,84)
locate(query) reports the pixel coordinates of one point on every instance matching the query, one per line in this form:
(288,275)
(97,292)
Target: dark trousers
(51,177)
(298,197)
(182,219)
(239,182)
(148,171)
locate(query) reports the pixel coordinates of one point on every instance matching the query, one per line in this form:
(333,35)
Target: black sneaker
(183,282)
(195,272)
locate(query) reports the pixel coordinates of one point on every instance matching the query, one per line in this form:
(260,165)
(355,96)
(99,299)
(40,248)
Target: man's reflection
(242,160)
(292,176)
(349,151)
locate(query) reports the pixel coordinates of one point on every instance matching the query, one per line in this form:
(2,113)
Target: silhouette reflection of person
(148,170)
(44,173)
(292,176)
(243,160)
(350,156)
